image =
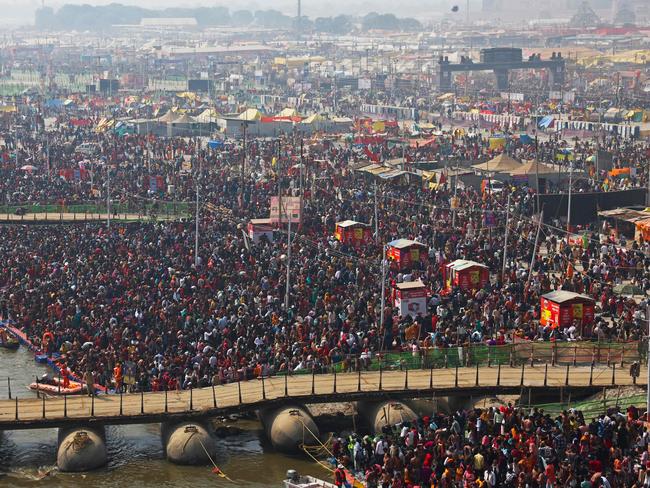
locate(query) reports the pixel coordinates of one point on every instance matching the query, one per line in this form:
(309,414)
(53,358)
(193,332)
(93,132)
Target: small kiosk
(405,253)
(467,275)
(353,233)
(258,228)
(560,308)
(410,298)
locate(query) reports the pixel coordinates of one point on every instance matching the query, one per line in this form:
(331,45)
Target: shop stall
(258,228)
(406,254)
(410,298)
(466,275)
(560,308)
(353,233)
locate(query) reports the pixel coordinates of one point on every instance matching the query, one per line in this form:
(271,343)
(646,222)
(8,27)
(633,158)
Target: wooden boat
(52,387)
(9,343)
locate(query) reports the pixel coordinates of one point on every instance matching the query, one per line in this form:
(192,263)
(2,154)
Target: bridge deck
(36,413)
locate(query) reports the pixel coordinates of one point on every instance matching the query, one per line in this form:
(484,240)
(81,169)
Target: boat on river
(295,480)
(54,386)
(9,343)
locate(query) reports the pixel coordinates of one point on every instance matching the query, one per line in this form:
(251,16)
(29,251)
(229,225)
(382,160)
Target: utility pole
(568,211)
(647,316)
(302,164)
(376,213)
(278,169)
(47,151)
(196,218)
(383,289)
(453,210)
(108,195)
(532,259)
(505,242)
(243,160)
(537,170)
(286,293)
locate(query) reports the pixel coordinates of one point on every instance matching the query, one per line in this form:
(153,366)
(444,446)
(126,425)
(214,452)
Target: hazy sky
(24,9)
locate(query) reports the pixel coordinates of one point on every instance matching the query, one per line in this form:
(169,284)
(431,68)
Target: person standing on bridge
(90,382)
(117,375)
(65,374)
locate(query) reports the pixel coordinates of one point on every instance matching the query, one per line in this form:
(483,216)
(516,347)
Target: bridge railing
(620,354)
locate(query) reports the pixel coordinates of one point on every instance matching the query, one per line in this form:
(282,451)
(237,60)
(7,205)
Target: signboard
(489,219)
(513,97)
(365,83)
(411,302)
(129,373)
(568,97)
(291,209)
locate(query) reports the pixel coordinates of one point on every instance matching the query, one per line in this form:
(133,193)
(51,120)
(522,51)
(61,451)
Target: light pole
(196,217)
(505,242)
(383,289)
(288,285)
(376,214)
(108,195)
(568,213)
(647,316)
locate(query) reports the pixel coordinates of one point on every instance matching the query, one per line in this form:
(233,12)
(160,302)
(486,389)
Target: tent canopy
(289,112)
(499,164)
(250,114)
(207,116)
(170,116)
(532,167)
(184,119)
(313,118)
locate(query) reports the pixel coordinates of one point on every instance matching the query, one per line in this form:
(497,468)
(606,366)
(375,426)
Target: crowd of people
(133,306)
(501,446)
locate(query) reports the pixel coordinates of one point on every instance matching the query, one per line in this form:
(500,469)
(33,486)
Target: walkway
(232,398)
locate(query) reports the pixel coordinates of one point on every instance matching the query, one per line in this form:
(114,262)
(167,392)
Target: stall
(410,298)
(466,275)
(560,308)
(405,253)
(258,228)
(353,233)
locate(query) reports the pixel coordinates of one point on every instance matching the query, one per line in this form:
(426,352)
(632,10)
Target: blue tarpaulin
(546,122)
(215,144)
(54,103)
(525,139)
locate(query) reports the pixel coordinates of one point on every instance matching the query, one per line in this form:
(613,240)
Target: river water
(135,451)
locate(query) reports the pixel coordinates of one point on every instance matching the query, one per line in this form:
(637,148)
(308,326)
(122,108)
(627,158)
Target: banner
(291,209)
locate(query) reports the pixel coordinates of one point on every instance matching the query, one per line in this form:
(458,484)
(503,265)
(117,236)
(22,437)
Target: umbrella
(28,167)
(628,289)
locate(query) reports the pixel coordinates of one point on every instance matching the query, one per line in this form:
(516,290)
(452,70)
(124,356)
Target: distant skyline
(22,11)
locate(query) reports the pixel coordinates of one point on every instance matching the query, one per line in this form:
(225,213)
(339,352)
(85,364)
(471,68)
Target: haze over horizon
(22,11)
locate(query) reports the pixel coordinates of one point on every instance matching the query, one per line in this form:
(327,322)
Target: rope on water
(355,480)
(216,470)
(80,441)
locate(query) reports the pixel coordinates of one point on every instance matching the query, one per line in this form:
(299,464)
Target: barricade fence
(141,208)
(515,354)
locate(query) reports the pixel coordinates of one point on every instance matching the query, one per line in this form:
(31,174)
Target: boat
(54,386)
(295,480)
(9,343)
